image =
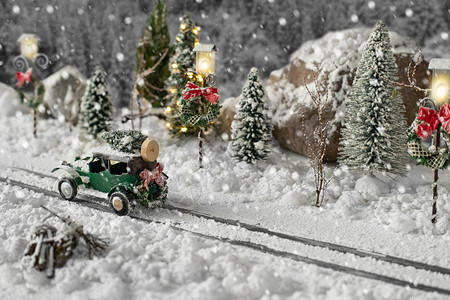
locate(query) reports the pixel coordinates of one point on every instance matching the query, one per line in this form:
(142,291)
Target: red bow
(431,118)
(155,174)
(22,77)
(192,90)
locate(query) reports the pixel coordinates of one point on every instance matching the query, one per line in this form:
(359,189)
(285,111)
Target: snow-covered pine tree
(181,61)
(129,141)
(96,105)
(251,129)
(154,43)
(374,136)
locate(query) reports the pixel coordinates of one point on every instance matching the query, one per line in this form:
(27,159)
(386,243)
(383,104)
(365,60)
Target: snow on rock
(333,58)
(227,112)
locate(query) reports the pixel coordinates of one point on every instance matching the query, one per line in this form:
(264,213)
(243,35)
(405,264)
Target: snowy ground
(154,261)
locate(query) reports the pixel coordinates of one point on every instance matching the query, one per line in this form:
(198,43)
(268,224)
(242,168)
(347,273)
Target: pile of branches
(49,249)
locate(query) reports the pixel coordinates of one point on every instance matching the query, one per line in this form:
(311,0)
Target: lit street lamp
(440,80)
(29,47)
(205,63)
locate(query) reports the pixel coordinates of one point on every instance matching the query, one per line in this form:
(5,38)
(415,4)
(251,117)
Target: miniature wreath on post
(425,124)
(194,110)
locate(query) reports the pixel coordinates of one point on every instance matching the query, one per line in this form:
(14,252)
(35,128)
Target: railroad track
(94,202)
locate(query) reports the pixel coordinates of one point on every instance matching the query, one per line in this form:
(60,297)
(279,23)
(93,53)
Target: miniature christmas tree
(129,141)
(96,105)
(182,60)
(374,137)
(153,45)
(251,129)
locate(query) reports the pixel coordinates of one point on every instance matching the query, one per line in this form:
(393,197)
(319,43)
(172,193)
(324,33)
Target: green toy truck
(126,178)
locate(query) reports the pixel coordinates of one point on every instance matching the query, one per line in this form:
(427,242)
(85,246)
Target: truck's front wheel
(67,188)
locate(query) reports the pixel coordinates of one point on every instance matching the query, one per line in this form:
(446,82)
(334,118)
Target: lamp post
(205,57)
(29,53)
(199,105)
(440,85)
(24,63)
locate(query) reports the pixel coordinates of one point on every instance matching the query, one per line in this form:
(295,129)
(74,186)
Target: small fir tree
(129,141)
(181,61)
(96,105)
(374,137)
(154,44)
(251,129)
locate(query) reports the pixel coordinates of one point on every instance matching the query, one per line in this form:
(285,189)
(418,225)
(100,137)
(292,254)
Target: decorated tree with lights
(182,60)
(96,105)
(154,44)
(374,137)
(251,129)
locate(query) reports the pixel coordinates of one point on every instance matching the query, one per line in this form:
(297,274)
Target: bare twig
(317,146)
(411,77)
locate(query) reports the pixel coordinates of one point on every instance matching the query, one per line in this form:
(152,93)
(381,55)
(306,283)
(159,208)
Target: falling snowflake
(50,9)
(354,18)
(444,36)
(225,187)
(120,56)
(225,16)
(374,82)
(371,4)
(128,20)
(409,13)
(379,52)
(401,189)
(282,21)
(16,9)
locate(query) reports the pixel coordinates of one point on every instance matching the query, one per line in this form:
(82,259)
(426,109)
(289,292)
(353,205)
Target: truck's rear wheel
(120,202)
